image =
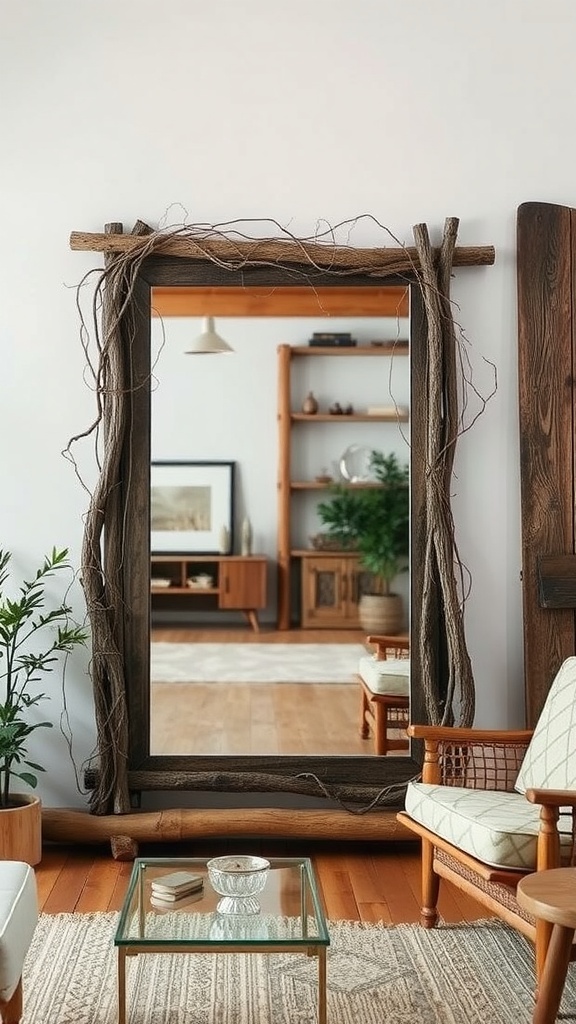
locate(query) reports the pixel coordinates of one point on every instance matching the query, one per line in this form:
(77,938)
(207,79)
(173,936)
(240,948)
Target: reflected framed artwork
(191,507)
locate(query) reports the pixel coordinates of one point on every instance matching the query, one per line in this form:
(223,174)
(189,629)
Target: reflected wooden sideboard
(238,581)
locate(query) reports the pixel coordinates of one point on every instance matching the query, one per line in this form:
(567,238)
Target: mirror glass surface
(224,408)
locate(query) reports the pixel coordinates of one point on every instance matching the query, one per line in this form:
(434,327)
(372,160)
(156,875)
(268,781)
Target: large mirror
(258,682)
(311,775)
(118,584)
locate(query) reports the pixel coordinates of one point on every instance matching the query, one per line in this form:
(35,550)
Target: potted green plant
(376,522)
(23,622)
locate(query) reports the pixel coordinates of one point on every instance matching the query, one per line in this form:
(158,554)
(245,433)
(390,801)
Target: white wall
(308,111)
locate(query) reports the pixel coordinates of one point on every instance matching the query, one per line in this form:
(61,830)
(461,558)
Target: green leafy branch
(21,620)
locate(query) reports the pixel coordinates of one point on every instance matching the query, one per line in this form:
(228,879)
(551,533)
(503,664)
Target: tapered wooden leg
(554,975)
(543,936)
(253,619)
(430,887)
(11,1011)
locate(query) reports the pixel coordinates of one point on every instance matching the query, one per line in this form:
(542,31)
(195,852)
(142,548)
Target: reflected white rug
(455,974)
(254,663)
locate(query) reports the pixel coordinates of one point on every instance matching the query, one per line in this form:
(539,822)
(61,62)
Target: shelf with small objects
(332,416)
(231,582)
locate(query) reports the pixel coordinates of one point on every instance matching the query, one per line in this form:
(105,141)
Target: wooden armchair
(384,679)
(487,810)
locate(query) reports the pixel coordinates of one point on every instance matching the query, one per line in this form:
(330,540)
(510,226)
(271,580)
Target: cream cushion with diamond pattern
(500,829)
(550,760)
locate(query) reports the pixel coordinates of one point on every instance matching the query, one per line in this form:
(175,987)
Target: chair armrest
(395,646)
(474,758)
(445,732)
(552,797)
(388,640)
(551,854)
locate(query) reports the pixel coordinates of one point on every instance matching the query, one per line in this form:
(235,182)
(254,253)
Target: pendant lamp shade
(208,341)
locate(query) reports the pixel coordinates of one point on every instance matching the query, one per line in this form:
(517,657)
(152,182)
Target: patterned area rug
(455,974)
(254,663)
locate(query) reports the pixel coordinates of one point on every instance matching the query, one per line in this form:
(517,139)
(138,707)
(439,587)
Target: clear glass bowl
(238,880)
(356,464)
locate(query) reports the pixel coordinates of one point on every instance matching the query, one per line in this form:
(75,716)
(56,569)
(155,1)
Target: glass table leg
(121,985)
(322,985)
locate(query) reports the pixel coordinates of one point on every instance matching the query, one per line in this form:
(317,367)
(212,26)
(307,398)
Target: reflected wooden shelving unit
(346,575)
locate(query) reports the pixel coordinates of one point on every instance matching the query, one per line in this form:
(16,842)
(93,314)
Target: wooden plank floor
(359,881)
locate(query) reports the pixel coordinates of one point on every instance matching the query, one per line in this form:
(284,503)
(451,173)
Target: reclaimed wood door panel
(546,291)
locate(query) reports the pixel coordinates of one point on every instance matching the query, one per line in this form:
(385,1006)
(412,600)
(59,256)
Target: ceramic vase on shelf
(310,404)
(224,540)
(246,537)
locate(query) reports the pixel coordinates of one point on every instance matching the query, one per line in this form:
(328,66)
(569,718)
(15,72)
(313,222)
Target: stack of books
(167,890)
(332,339)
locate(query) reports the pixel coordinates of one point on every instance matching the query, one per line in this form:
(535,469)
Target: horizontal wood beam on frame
(379,261)
(391,301)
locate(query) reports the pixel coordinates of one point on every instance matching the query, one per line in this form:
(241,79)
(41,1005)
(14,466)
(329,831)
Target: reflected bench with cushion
(384,679)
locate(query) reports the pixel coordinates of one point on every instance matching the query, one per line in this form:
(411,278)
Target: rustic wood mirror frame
(117,583)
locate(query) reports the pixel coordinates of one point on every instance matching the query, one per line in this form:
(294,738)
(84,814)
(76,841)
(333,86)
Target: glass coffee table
(289,917)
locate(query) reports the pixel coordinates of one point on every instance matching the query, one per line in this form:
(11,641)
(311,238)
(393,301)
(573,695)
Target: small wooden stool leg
(554,975)
(543,936)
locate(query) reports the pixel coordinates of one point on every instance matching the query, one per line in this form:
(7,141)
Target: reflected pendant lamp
(209,341)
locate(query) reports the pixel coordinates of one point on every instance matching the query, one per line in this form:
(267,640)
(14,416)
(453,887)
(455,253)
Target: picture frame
(191,508)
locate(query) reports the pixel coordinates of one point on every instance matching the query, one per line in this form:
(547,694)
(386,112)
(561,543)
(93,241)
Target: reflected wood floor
(368,882)
(256,718)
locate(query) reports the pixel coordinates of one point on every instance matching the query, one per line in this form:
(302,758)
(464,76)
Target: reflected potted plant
(376,522)
(24,622)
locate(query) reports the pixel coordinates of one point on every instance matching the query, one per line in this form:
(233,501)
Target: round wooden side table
(551,896)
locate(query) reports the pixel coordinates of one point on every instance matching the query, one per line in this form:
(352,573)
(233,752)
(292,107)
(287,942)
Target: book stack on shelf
(168,890)
(332,339)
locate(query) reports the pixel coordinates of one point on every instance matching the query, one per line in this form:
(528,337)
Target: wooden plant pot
(21,830)
(381,613)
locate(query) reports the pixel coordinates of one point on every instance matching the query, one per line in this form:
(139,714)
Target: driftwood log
(125,831)
(383,261)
